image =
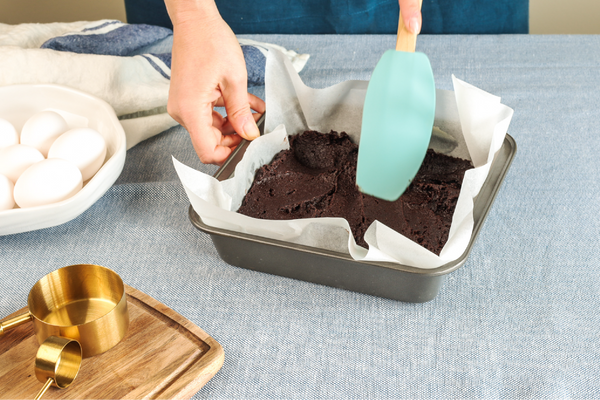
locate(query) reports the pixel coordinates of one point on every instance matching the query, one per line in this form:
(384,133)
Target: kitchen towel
(106,58)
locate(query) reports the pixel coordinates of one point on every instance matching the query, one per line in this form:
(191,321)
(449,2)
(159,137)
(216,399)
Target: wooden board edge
(211,361)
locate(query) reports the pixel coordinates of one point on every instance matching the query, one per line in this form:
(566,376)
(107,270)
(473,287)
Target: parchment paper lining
(475,119)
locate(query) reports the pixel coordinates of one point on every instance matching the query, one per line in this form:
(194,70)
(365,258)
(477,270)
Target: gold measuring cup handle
(48,383)
(14,322)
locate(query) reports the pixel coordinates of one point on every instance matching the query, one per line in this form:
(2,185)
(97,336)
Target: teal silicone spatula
(397,119)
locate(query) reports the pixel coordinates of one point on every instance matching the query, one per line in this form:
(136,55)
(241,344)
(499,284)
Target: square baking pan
(340,270)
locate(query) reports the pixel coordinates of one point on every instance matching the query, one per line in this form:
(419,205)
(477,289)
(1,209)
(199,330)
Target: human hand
(208,70)
(411,14)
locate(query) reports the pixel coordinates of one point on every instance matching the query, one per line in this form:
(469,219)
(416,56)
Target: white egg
(85,147)
(15,159)
(46,182)
(8,134)
(7,201)
(42,129)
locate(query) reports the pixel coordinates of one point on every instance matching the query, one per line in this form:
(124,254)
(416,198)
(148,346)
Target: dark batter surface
(316,177)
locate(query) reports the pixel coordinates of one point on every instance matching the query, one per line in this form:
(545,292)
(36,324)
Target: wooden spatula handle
(406,40)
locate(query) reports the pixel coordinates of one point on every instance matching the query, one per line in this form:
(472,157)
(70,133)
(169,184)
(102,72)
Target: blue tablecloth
(519,320)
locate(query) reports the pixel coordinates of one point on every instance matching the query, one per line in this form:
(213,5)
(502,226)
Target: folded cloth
(102,58)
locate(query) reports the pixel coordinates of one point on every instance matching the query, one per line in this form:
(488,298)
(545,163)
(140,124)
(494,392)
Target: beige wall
(21,11)
(564,16)
(546,16)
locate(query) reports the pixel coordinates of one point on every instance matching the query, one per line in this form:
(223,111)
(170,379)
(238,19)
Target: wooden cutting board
(162,356)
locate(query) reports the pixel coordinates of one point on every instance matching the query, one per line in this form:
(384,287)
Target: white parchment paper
(475,120)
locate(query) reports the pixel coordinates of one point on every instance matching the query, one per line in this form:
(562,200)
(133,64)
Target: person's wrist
(183,11)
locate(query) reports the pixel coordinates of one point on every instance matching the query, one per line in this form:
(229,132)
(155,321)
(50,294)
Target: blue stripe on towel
(164,57)
(155,66)
(121,41)
(118,39)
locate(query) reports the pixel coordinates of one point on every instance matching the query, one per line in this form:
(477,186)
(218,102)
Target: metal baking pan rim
(442,270)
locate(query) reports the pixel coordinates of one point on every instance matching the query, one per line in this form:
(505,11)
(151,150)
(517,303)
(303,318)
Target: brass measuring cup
(83,302)
(57,363)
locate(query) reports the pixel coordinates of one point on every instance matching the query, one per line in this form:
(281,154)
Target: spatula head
(396,124)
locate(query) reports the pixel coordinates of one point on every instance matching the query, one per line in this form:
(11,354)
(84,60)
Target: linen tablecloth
(519,320)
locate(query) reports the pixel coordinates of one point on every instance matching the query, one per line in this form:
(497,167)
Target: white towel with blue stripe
(107,59)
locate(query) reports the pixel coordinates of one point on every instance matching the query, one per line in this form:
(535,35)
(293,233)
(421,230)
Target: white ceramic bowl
(18,103)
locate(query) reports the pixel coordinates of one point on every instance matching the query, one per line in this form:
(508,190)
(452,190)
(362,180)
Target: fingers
(231,141)
(225,125)
(237,104)
(214,148)
(228,129)
(205,128)
(256,103)
(411,14)
(214,136)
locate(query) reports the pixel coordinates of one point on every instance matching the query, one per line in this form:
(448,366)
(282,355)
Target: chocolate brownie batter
(316,177)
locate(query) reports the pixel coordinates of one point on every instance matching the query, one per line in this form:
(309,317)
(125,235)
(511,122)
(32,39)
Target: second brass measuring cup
(83,302)
(57,363)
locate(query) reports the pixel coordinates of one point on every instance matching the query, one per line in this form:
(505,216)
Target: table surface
(519,320)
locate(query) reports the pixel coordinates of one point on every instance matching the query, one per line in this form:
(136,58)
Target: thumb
(411,14)
(238,110)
